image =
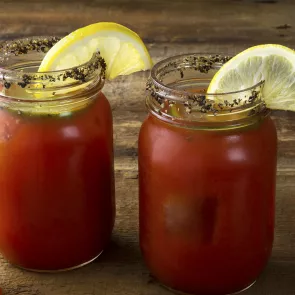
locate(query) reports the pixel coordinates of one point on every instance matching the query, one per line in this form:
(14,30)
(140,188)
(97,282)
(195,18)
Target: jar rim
(73,76)
(159,65)
(203,63)
(174,94)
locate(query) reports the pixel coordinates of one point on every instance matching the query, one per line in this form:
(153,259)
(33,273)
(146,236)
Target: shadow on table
(119,251)
(120,270)
(278,277)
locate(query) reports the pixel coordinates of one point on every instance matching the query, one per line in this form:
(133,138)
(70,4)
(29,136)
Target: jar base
(59,270)
(183,293)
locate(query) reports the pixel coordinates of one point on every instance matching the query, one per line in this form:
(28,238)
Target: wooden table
(169,28)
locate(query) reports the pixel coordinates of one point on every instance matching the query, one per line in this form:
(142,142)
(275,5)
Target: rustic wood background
(169,28)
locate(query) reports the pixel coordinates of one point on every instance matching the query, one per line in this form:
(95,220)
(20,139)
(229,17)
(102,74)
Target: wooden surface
(169,28)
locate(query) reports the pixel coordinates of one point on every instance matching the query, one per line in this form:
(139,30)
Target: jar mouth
(177,90)
(21,58)
(201,62)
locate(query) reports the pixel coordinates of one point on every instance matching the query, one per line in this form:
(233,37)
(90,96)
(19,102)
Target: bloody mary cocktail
(57,204)
(207,173)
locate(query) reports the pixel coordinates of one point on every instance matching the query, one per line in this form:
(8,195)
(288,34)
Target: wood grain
(189,21)
(169,28)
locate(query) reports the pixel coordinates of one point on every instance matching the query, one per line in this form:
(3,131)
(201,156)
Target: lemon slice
(122,49)
(273,63)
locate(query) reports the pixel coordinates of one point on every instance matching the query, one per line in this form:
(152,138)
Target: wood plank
(200,21)
(113,277)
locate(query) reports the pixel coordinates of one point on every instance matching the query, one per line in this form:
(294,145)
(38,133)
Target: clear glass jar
(57,202)
(207,175)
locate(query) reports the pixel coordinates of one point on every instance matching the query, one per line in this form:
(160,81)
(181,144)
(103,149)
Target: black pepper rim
(200,101)
(176,58)
(80,73)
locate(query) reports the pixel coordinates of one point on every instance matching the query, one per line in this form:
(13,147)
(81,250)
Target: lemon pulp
(275,64)
(122,49)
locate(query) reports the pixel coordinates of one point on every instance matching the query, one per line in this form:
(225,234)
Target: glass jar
(207,174)
(57,205)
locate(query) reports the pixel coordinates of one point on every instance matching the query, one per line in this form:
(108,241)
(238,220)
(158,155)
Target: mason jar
(207,178)
(57,203)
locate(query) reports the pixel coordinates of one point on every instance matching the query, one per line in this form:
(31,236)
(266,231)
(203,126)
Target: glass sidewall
(207,203)
(57,167)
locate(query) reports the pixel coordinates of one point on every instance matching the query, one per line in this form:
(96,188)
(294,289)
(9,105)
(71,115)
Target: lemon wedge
(275,64)
(122,49)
